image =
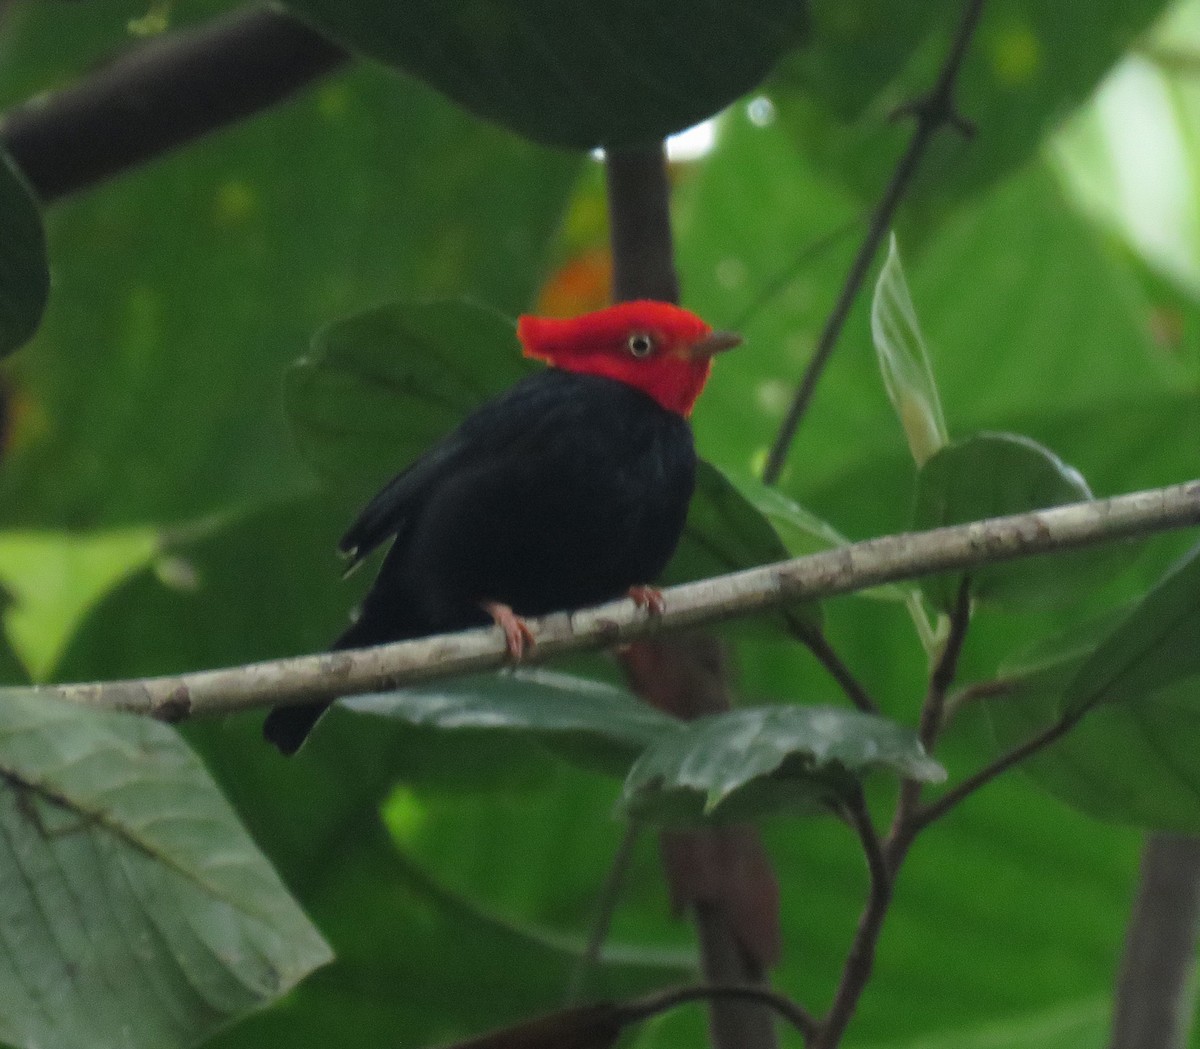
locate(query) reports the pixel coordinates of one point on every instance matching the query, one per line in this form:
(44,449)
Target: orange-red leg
(517,634)
(648,597)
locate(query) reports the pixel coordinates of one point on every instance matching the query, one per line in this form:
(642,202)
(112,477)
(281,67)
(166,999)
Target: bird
(568,489)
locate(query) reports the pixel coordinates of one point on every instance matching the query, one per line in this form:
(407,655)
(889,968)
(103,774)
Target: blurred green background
(156,515)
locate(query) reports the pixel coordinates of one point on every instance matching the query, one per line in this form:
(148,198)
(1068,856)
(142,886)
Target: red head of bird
(660,349)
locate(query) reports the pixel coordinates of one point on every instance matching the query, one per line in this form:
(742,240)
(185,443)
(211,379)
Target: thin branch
(640,221)
(861,958)
(946,668)
(932,113)
(652,1005)
(161,95)
(610,894)
(326,676)
(814,639)
(935,810)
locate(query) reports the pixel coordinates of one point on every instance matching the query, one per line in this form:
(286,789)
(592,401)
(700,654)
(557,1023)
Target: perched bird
(568,489)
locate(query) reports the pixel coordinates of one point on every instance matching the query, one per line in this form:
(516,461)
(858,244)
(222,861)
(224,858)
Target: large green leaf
(1157,645)
(604,725)
(24,273)
(1030,63)
(992,475)
(381,387)
(184,290)
(137,912)
(762,759)
(575,72)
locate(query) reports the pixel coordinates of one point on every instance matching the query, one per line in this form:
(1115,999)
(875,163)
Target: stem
(814,639)
(1156,989)
(932,113)
(610,894)
(652,1005)
(640,221)
(946,668)
(161,95)
(935,810)
(861,959)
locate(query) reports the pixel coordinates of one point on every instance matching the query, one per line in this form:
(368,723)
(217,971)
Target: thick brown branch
(161,95)
(932,113)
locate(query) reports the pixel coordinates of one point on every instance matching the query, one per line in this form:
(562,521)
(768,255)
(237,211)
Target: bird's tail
(288,727)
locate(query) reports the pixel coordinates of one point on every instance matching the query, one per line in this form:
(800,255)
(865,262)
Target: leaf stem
(814,639)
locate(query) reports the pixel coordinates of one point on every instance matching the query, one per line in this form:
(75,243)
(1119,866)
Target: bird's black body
(562,492)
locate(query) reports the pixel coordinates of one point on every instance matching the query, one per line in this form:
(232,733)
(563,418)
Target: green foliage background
(156,514)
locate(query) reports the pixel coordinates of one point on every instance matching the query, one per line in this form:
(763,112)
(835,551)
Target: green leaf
(1157,645)
(991,475)
(381,387)
(137,912)
(757,760)
(24,271)
(575,72)
(904,361)
(604,725)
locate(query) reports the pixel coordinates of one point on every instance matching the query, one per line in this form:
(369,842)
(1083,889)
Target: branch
(946,668)
(652,1005)
(1155,996)
(161,95)
(861,959)
(932,113)
(842,570)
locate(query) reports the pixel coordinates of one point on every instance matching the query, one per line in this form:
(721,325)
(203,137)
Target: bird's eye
(640,344)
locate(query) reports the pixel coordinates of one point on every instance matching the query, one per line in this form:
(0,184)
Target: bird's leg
(648,597)
(517,634)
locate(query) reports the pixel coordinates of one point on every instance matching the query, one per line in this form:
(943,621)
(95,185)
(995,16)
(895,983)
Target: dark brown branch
(861,959)
(795,1014)
(946,668)
(1155,995)
(935,810)
(932,113)
(161,95)
(818,644)
(640,225)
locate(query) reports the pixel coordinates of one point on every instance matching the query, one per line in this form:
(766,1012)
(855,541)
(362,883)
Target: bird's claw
(648,597)
(517,635)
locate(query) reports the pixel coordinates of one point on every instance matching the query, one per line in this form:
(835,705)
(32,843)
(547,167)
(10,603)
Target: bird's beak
(713,343)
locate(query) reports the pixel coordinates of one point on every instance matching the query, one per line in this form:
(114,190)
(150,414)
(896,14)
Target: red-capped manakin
(568,489)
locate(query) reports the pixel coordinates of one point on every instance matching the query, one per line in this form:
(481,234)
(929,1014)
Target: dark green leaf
(379,388)
(575,72)
(137,912)
(602,724)
(991,475)
(24,273)
(1157,645)
(757,760)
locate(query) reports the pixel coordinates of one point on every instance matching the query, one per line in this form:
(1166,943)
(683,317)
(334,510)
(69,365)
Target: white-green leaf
(135,911)
(904,360)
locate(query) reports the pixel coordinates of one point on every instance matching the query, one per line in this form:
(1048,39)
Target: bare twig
(606,905)
(1155,999)
(814,639)
(838,571)
(861,958)
(945,668)
(161,95)
(654,1004)
(932,113)
(935,810)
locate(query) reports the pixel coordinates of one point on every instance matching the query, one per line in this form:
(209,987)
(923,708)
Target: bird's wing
(506,422)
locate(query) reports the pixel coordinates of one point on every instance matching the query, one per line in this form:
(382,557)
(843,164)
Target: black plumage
(562,492)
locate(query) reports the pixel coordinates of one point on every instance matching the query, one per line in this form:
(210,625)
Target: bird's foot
(517,634)
(648,597)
